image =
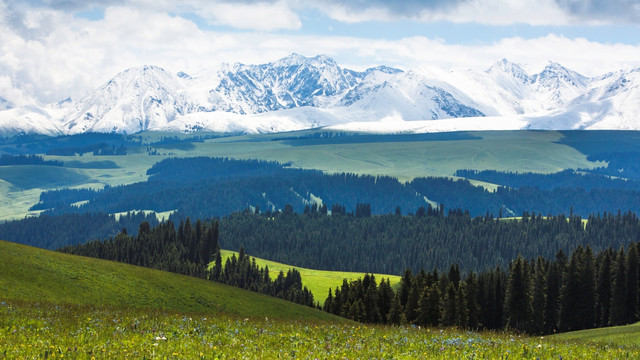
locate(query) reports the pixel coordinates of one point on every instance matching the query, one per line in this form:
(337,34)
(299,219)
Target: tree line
(332,238)
(190,250)
(7,159)
(206,187)
(537,296)
(431,237)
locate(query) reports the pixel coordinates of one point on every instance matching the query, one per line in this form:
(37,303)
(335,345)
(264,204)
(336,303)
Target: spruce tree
(395,312)
(631,269)
(473,307)
(518,307)
(553,288)
(604,288)
(618,312)
(449,306)
(539,297)
(429,306)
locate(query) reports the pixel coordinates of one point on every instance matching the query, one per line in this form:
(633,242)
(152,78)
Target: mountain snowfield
(297,92)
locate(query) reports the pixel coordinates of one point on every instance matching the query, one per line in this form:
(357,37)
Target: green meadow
(402,156)
(55,306)
(628,335)
(32,274)
(317,281)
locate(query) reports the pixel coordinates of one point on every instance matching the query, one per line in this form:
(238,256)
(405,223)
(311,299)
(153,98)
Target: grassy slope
(317,281)
(33,274)
(628,335)
(536,151)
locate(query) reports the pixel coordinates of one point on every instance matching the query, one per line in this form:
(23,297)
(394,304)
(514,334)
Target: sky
(54,49)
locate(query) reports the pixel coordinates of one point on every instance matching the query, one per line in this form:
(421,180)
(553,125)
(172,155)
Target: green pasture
(628,335)
(30,330)
(36,275)
(399,156)
(317,281)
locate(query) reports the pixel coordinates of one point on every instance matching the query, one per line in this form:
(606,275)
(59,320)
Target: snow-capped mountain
(299,92)
(134,100)
(291,82)
(410,96)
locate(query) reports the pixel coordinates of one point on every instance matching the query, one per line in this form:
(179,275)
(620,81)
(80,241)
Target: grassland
(33,330)
(317,281)
(55,305)
(628,335)
(401,156)
(29,274)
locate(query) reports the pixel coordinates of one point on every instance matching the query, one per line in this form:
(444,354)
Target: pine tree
(462,313)
(395,312)
(539,297)
(604,288)
(518,307)
(553,288)
(449,306)
(571,307)
(429,306)
(587,289)
(632,268)
(618,312)
(473,308)
(385,298)
(406,283)
(217,267)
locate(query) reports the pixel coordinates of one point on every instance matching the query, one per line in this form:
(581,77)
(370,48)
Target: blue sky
(611,29)
(53,49)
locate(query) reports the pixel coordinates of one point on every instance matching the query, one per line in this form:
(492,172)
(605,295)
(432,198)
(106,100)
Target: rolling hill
(317,281)
(31,274)
(627,335)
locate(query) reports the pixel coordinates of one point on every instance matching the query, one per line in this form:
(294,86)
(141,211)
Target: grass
(397,156)
(627,335)
(31,274)
(34,330)
(54,305)
(25,177)
(317,281)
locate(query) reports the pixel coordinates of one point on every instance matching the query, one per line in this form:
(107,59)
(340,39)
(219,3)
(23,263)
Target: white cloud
(52,55)
(488,12)
(262,16)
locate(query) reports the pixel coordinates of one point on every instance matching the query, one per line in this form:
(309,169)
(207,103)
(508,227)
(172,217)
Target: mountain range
(298,92)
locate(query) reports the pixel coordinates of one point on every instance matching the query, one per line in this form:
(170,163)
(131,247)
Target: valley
(332,186)
(404,157)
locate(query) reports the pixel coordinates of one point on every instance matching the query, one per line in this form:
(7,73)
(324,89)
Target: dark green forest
(363,242)
(7,159)
(537,296)
(214,187)
(430,238)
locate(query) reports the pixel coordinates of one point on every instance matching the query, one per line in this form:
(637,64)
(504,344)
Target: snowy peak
(558,85)
(555,73)
(508,69)
(290,82)
(298,92)
(136,99)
